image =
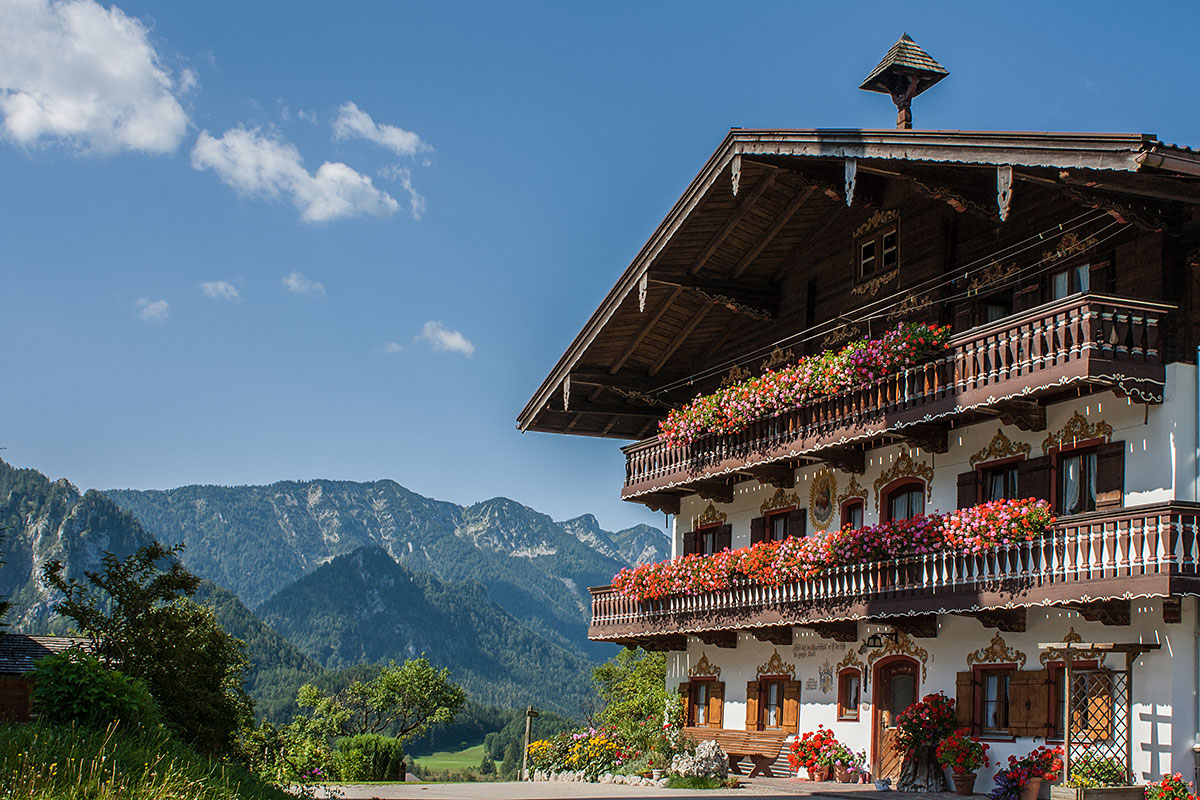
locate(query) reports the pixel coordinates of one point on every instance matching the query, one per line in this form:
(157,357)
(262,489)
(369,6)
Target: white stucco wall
(1165,681)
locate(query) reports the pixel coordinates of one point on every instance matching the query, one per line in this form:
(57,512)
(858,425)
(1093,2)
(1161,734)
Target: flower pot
(823,774)
(656,773)
(964,783)
(1030,790)
(812,773)
(841,774)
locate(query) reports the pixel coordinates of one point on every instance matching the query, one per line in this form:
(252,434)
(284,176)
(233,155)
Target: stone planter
(1107,793)
(964,783)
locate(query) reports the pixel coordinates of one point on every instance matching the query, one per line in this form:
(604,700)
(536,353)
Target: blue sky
(245,242)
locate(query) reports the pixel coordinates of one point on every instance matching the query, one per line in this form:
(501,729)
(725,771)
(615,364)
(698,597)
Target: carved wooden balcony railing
(1086,561)
(1088,341)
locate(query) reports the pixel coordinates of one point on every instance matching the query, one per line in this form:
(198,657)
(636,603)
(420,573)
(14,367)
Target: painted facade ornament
(1077,429)
(840,336)
(873,286)
(703,669)
(1054,654)
(778,357)
(851,179)
(643,285)
(911,304)
(905,467)
(877,220)
(992,275)
(780,499)
(850,661)
(826,675)
(853,489)
(1004,184)
(1000,447)
(736,375)
(567,393)
(997,652)
(776,666)
(903,646)
(822,499)
(711,516)
(1070,244)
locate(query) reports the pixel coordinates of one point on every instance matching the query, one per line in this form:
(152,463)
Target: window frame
(876,237)
(695,683)
(1057,672)
(706,535)
(849,505)
(982,470)
(981,674)
(764,682)
(896,487)
(774,514)
(849,712)
(1072,273)
(1069,451)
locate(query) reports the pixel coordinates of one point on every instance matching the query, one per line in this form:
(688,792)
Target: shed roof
(18,651)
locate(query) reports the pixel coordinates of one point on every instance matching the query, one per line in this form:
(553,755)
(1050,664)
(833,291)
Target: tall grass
(51,762)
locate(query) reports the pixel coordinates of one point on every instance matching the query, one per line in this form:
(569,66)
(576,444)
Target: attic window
(878,251)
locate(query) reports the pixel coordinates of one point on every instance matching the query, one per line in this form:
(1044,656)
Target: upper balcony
(1008,369)
(1093,563)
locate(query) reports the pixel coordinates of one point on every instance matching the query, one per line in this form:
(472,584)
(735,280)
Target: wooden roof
(18,651)
(706,275)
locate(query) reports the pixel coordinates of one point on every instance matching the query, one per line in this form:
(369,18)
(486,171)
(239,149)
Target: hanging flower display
(970,531)
(857,365)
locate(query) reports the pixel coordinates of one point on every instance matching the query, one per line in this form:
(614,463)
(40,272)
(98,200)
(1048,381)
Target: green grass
(446,760)
(49,762)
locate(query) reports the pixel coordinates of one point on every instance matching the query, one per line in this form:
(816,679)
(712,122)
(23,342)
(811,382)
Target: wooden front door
(895,690)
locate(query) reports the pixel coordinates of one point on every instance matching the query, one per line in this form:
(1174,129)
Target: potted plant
(1094,777)
(1171,787)
(920,728)
(811,752)
(848,766)
(1023,777)
(963,754)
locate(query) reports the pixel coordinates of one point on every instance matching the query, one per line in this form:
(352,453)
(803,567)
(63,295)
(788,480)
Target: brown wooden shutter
(689,543)
(791,706)
(964,700)
(964,316)
(716,704)
(1110,475)
(685,694)
(723,539)
(758,530)
(1028,297)
(752,705)
(798,523)
(1099,711)
(1099,281)
(968,489)
(1034,478)
(1029,703)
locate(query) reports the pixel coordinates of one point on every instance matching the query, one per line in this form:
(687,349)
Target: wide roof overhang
(708,271)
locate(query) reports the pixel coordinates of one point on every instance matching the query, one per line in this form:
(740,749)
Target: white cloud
(86,75)
(352,122)
(392,347)
(444,340)
(258,165)
(296,282)
(153,310)
(221,290)
(403,176)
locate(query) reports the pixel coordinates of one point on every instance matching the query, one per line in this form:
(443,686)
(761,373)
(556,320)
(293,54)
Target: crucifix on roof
(904,73)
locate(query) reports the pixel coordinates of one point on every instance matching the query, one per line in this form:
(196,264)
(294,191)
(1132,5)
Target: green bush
(369,757)
(73,686)
(1095,772)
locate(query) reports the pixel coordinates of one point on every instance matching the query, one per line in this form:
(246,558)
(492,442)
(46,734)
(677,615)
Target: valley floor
(755,787)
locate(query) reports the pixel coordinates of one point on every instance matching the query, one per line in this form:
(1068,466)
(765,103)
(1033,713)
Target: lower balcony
(1093,563)
(1008,369)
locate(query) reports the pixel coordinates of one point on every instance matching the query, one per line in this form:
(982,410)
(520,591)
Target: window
(771,703)
(1077,482)
(849,694)
(996,308)
(994,687)
(777,526)
(1074,280)
(906,501)
(879,251)
(1094,719)
(852,514)
(1000,483)
(699,704)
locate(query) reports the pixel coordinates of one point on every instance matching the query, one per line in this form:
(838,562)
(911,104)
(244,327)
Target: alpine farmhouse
(1065,266)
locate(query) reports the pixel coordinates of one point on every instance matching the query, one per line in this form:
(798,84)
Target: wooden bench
(761,747)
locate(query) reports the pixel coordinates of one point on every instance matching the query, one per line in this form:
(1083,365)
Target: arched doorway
(896,685)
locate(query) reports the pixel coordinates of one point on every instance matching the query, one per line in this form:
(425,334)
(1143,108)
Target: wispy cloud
(221,290)
(85,75)
(354,123)
(296,282)
(445,340)
(403,176)
(258,165)
(153,311)
(393,347)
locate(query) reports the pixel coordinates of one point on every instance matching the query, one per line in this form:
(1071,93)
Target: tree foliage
(137,613)
(632,686)
(74,687)
(404,700)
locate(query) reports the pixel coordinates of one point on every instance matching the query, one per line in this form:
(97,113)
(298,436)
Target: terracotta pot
(841,774)
(1030,790)
(812,774)
(823,773)
(964,783)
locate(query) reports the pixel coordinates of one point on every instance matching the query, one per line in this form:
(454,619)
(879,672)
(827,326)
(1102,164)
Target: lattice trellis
(1099,712)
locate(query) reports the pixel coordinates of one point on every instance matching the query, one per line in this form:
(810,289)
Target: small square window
(1000,483)
(852,514)
(1077,482)
(779,527)
(878,251)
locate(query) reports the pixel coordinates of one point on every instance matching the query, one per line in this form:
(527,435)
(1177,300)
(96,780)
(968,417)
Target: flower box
(1106,793)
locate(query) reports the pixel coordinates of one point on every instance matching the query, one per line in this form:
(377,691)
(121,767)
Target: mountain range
(323,575)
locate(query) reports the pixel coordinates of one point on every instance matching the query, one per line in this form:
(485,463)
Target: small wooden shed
(17,654)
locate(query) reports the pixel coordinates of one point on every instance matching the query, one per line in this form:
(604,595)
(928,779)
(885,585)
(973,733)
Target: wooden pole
(529,715)
(1129,657)
(1069,722)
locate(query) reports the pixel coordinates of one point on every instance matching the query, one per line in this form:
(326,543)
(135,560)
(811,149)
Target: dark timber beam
(921,626)
(780,476)
(776,634)
(663,503)
(616,409)
(933,438)
(770,234)
(744,206)
(756,302)
(1108,612)
(649,326)
(717,491)
(847,459)
(1008,620)
(838,631)
(680,338)
(1028,415)
(672,641)
(726,639)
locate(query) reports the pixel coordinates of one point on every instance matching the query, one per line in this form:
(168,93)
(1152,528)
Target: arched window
(904,499)
(852,513)
(849,694)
